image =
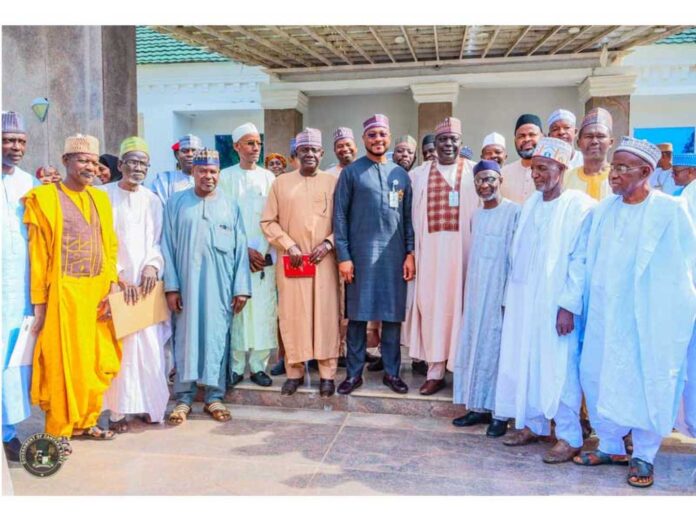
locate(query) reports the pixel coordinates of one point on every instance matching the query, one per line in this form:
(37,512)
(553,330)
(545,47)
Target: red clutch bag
(306,269)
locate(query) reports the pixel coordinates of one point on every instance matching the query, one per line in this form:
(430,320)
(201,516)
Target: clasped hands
(315,256)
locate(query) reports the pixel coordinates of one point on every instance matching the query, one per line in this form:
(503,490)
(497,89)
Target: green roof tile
(687,36)
(154,47)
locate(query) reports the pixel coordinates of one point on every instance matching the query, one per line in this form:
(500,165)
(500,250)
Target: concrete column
(283,117)
(88,75)
(608,89)
(435,103)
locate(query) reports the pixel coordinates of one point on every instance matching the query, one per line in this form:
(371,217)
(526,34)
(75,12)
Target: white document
(23,352)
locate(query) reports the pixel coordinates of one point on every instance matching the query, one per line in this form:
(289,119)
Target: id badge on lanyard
(454,198)
(394,196)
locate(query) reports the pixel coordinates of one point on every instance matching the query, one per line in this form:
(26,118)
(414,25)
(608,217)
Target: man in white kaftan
(640,303)
(254,331)
(684,174)
(538,369)
(141,385)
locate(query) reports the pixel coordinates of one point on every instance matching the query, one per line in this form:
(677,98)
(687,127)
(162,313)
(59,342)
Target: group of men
(536,282)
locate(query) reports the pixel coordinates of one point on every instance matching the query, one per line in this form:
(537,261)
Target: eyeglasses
(622,169)
(251,143)
(132,163)
(487,180)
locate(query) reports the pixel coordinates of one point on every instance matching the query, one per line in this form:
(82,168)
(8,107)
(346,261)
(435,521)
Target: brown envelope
(146,312)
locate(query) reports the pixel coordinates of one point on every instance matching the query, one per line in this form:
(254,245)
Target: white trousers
(567,421)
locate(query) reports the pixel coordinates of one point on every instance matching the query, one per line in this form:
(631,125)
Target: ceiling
(295,51)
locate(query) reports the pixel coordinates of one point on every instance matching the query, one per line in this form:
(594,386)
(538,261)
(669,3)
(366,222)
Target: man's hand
(256,260)
(238,303)
(174,302)
(39,318)
(130,292)
(347,271)
(320,252)
(295,256)
(104,308)
(564,322)
(409,267)
(148,279)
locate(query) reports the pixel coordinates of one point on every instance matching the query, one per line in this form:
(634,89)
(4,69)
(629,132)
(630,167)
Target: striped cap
(311,137)
(641,148)
(207,157)
(449,126)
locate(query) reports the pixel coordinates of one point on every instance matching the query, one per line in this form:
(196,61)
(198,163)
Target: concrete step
(372,397)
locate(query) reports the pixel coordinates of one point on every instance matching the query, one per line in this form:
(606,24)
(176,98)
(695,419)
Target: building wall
(483,111)
(86,72)
(326,113)
(663,111)
(204,99)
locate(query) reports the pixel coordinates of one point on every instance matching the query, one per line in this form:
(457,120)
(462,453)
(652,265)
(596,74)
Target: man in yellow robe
(72,254)
(594,139)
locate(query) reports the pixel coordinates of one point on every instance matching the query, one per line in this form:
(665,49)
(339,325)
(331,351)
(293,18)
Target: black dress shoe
(497,428)
(12,449)
(236,379)
(376,366)
(290,386)
(350,385)
(369,358)
(419,368)
(471,418)
(278,368)
(326,387)
(341,362)
(395,383)
(261,379)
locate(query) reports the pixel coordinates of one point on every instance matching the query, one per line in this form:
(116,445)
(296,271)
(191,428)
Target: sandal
(96,433)
(599,458)
(65,447)
(639,469)
(218,411)
(179,414)
(120,426)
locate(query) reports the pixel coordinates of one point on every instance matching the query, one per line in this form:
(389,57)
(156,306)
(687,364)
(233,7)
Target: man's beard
(525,154)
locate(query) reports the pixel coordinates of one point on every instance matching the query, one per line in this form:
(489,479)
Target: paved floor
(275,451)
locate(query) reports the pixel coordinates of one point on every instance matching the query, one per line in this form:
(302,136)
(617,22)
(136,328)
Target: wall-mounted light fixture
(40,108)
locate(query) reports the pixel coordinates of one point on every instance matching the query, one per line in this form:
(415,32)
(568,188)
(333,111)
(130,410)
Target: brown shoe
(326,387)
(290,386)
(520,438)
(561,452)
(432,386)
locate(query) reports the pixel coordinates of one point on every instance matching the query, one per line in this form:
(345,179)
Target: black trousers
(357,345)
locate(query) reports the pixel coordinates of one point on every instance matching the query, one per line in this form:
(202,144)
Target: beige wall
(483,111)
(328,112)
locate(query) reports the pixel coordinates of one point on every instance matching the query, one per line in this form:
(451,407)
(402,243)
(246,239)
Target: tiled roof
(688,36)
(154,47)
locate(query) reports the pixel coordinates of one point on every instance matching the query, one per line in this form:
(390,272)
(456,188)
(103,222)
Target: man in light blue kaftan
(166,183)
(640,303)
(207,280)
(16,379)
